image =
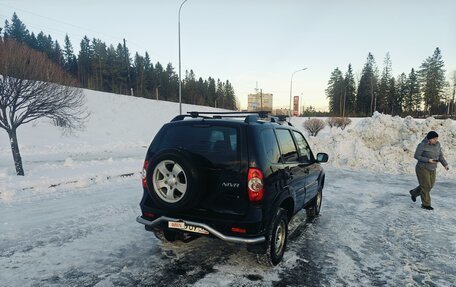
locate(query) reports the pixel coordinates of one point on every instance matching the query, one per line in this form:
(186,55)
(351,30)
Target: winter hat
(431,135)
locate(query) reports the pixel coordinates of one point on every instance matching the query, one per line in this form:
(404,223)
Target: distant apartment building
(259,102)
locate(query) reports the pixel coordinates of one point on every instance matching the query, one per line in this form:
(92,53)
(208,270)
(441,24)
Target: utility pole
(180,77)
(261,99)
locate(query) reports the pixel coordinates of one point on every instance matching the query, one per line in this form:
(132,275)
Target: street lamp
(180,79)
(291,86)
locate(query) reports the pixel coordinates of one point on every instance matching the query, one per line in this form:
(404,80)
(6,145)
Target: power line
(117,38)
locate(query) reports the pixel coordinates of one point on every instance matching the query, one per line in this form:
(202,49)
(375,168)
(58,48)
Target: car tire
(314,209)
(276,240)
(175,180)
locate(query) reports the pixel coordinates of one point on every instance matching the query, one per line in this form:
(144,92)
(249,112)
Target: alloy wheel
(170,181)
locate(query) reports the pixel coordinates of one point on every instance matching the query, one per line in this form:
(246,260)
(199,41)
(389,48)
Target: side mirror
(322,157)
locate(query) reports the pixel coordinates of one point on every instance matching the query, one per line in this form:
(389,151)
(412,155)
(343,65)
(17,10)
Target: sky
(257,43)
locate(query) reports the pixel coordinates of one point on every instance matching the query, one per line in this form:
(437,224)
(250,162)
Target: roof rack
(250,117)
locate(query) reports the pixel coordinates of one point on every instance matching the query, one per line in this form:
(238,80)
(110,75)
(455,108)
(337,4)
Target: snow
(71,220)
(383,143)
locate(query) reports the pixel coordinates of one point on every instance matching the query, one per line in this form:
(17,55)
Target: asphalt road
(369,233)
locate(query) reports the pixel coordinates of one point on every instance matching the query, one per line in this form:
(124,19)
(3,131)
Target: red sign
(296,106)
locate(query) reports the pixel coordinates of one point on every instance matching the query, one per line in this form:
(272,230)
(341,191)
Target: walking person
(428,153)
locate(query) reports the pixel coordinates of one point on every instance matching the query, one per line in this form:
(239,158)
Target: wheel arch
(322,179)
(288,204)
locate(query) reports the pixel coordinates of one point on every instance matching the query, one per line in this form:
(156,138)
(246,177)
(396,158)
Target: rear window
(218,144)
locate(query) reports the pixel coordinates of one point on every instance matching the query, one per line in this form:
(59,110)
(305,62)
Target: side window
(304,150)
(287,146)
(271,148)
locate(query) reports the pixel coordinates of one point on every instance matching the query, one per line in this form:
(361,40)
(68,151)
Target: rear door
(219,145)
(294,173)
(226,194)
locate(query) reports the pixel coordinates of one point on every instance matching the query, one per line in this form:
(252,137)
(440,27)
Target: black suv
(209,174)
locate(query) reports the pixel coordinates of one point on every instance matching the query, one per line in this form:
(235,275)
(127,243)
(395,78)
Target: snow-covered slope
(113,142)
(120,128)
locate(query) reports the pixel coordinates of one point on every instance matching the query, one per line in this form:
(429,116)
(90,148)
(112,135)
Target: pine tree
(121,73)
(68,56)
(219,95)
(84,62)
(172,82)
(32,42)
(160,81)
(202,92)
(403,92)
(189,88)
(18,31)
(394,102)
(432,81)
(57,55)
(99,67)
(151,90)
(5,32)
(368,88)
(384,100)
(335,92)
(139,75)
(230,96)
(349,93)
(112,85)
(414,95)
(212,95)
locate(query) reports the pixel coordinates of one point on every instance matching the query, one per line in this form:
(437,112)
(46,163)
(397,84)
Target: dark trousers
(426,179)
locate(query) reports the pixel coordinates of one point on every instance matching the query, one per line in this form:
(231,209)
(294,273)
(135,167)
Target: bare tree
(338,122)
(33,87)
(314,126)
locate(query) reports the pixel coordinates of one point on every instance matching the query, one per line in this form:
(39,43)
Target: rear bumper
(212,231)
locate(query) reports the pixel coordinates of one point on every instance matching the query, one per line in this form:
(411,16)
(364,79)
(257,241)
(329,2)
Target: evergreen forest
(109,68)
(418,93)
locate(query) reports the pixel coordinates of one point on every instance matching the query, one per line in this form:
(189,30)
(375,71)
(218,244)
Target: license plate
(186,227)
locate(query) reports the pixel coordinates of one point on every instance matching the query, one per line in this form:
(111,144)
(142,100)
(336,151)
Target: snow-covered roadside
(120,129)
(383,143)
(113,143)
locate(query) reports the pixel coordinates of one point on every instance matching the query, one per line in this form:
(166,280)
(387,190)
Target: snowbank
(120,129)
(383,143)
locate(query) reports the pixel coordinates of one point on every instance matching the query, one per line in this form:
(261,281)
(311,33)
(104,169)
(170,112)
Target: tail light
(144,174)
(150,215)
(238,230)
(255,184)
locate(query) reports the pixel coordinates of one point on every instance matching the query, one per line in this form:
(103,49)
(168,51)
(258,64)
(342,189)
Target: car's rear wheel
(314,209)
(276,240)
(165,235)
